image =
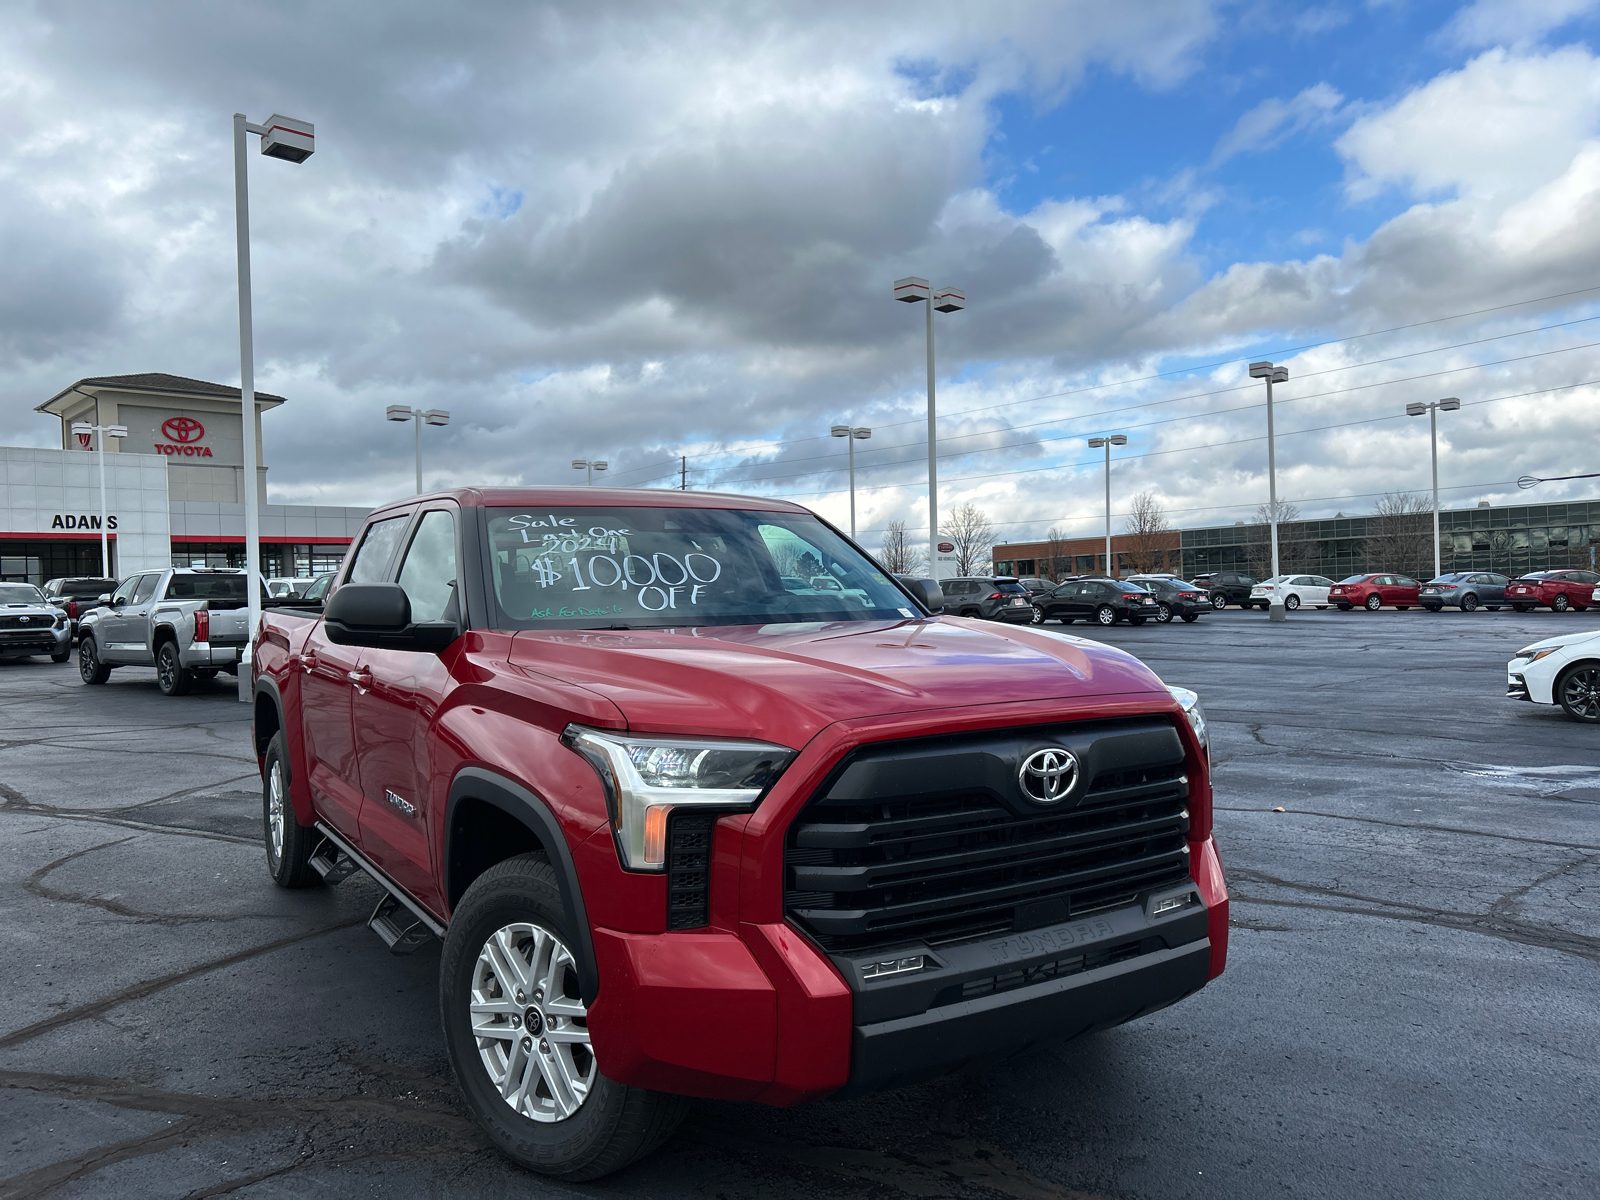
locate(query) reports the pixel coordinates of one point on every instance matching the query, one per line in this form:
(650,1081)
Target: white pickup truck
(186,622)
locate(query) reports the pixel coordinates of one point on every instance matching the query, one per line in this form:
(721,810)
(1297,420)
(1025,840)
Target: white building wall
(41,489)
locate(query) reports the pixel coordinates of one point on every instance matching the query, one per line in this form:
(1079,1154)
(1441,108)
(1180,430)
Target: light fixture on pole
(84,429)
(293,141)
(431,416)
(1416,409)
(854,434)
(590,465)
(1115,439)
(914,290)
(1272,373)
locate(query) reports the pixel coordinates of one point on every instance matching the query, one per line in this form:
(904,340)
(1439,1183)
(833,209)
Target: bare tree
(1057,561)
(1298,552)
(1400,534)
(1147,529)
(897,555)
(968,527)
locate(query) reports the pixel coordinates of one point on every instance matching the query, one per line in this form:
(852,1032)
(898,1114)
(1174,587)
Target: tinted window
(1065,590)
(377,548)
(206,587)
(78,588)
(429,573)
(1406,581)
(318,588)
(1009,587)
(146,588)
(663,567)
(1353,579)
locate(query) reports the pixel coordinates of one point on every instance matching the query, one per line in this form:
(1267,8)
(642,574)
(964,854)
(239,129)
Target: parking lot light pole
(293,141)
(913,290)
(1272,373)
(85,429)
(1416,409)
(855,434)
(1116,439)
(590,465)
(431,416)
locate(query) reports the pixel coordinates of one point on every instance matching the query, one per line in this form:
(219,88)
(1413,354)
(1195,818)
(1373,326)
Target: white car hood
(1564,639)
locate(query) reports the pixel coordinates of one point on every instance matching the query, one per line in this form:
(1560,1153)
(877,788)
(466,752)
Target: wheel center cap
(533,1020)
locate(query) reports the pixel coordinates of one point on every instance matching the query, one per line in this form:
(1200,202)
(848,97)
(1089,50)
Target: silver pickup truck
(186,622)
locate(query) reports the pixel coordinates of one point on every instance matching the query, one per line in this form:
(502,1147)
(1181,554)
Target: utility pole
(683,472)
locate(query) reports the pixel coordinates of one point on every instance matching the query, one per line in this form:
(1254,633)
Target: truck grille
(939,868)
(689,869)
(31,623)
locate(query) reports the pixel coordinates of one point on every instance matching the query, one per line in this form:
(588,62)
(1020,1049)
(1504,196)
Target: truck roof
(592,497)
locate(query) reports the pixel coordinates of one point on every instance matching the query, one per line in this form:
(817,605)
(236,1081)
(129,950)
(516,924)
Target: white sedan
(1296,590)
(1562,670)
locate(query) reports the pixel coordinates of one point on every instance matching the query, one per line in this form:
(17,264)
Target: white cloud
(1512,22)
(1272,122)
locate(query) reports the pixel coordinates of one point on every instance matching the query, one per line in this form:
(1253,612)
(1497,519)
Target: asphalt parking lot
(1410,1007)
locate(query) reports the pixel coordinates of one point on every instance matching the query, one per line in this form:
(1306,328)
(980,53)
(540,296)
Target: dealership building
(1512,539)
(174,488)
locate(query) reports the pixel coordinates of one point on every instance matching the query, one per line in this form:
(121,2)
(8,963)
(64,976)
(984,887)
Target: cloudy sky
(640,231)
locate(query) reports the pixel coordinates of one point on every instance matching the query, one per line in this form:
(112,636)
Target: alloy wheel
(1374,603)
(1106,615)
(1291,602)
(166,669)
(1580,694)
(1560,604)
(531,1025)
(1038,616)
(275,806)
(1469,603)
(1163,613)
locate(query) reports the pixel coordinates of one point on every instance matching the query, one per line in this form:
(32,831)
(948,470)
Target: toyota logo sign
(947,547)
(183,429)
(1048,775)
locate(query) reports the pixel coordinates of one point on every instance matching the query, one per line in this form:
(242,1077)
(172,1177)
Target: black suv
(993,599)
(76,595)
(1103,601)
(1228,587)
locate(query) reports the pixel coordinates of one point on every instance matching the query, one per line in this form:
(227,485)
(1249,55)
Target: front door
(398,696)
(108,625)
(132,640)
(327,681)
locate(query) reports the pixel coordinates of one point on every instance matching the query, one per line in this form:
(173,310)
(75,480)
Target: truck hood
(783,683)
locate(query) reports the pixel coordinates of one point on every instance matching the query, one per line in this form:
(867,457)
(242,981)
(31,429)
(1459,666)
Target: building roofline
(155,384)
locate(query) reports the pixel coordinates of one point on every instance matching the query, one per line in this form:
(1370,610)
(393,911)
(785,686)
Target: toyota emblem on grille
(1048,775)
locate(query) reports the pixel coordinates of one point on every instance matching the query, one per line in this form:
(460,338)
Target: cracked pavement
(1409,1010)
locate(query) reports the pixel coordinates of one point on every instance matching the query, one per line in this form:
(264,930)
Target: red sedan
(1560,590)
(1372,592)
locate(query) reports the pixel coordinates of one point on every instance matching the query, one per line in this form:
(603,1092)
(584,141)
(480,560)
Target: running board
(398,919)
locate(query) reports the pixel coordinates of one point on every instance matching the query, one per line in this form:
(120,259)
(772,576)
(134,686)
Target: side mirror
(378,615)
(104,598)
(927,591)
(116,601)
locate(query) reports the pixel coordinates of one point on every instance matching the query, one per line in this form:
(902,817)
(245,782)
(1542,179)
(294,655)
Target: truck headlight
(1196,715)
(645,778)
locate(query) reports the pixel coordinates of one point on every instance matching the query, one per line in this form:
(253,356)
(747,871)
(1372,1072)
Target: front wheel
(1578,693)
(1218,601)
(61,656)
(1038,616)
(1434,607)
(289,844)
(1346,607)
(1136,618)
(1374,603)
(1523,607)
(90,668)
(1105,615)
(171,676)
(1560,604)
(517,1033)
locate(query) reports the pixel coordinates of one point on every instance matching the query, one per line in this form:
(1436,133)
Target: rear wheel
(171,676)
(1578,693)
(1522,607)
(1136,618)
(1469,603)
(1374,603)
(90,668)
(1560,604)
(1105,615)
(1219,601)
(517,1032)
(1434,607)
(1345,607)
(1291,602)
(1191,618)
(1163,613)
(1038,616)
(289,843)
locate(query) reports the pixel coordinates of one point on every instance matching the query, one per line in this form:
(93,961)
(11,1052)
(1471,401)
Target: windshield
(206,587)
(604,568)
(87,587)
(20,593)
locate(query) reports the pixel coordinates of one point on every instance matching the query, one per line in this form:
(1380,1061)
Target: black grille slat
(689,869)
(868,870)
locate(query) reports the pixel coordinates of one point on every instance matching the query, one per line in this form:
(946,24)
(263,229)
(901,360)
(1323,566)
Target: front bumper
(47,639)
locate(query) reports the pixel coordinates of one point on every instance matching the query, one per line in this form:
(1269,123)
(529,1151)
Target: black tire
(1493,607)
(1374,602)
(1105,615)
(1137,618)
(1191,618)
(614,1124)
(61,657)
(172,677)
(1560,604)
(289,862)
(204,672)
(974,613)
(1067,620)
(1434,607)
(1219,601)
(1163,613)
(1345,607)
(1469,603)
(1291,602)
(1523,607)
(1578,692)
(90,668)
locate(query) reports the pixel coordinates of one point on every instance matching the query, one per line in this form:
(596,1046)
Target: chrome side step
(399,920)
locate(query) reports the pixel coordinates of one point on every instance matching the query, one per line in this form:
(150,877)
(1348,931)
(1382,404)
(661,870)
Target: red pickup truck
(689,825)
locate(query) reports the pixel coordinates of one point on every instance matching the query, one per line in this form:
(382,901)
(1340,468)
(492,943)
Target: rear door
(327,686)
(397,695)
(1491,588)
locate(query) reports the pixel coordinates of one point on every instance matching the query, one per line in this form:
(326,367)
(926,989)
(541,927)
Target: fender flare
(265,684)
(476,783)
